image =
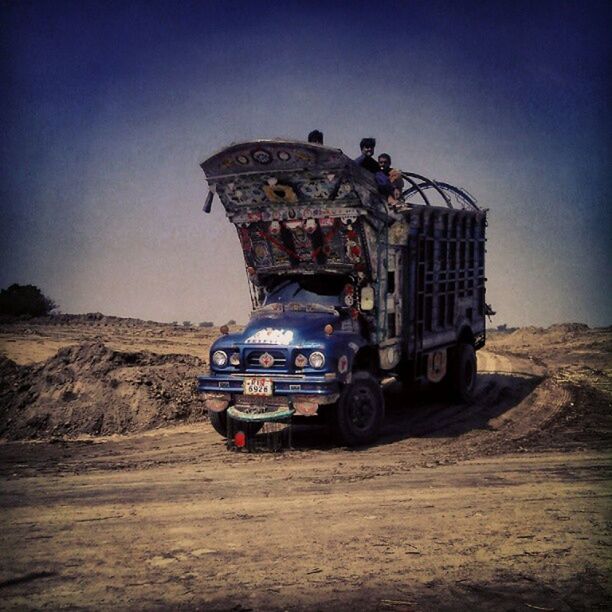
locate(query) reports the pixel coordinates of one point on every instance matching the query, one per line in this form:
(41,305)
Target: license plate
(257,386)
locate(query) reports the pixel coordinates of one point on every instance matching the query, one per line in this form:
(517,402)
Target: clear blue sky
(108,108)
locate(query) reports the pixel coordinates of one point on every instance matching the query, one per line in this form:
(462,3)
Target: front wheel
(219,422)
(360,411)
(462,375)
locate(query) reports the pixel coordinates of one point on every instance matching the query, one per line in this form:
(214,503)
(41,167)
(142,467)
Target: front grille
(280,360)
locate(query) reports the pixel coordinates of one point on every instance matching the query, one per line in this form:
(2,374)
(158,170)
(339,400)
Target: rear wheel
(360,411)
(219,422)
(462,374)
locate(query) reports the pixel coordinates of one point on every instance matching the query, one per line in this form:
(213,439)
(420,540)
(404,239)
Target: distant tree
(28,300)
(206,324)
(174,323)
(231,322)
(186,323)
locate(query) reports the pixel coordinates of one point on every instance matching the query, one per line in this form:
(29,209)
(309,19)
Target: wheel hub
(362,410)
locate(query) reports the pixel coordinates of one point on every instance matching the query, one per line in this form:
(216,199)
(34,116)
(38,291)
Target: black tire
(219,421)
(360,411)
(463,373)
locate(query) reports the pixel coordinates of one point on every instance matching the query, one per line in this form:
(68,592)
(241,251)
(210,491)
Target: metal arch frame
(462,195)
(415,188)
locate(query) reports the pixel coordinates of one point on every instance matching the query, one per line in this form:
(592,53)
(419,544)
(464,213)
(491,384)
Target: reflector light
(240,439)
(266,360)
(301,361)
(329,329)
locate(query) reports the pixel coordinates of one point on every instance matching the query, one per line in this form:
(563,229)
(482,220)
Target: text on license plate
(257,386)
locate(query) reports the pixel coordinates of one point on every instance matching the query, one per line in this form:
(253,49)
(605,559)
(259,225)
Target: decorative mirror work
(298,206)
(263,189)
(261,156)
(330,244)
(289,213)
(280,193)
(276,155)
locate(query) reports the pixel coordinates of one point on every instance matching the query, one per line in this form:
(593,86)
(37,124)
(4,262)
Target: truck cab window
(323,289)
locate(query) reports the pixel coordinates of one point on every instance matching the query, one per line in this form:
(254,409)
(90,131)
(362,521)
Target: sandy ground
(504,504)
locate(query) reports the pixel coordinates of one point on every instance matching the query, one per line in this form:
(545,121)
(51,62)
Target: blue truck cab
(347,288)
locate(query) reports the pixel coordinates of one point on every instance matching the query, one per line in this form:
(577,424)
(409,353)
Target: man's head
(384,161)
(315,137)
(367,146)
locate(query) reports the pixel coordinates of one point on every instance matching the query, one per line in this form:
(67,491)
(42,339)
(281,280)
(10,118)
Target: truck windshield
(323,289)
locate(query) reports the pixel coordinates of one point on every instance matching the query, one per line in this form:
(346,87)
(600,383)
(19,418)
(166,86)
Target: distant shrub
(231,322)
(186,323)
(25,300)
(205,324)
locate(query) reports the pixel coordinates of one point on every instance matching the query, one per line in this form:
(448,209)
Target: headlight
(317,360)
(235,359)
(219,358)
(301,361)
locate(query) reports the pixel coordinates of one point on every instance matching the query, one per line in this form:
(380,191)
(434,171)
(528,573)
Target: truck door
(394,293)
(391,347)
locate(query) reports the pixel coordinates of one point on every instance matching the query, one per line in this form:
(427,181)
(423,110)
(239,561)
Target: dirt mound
(568,328)
(88,319)
(536,336)
(90,388)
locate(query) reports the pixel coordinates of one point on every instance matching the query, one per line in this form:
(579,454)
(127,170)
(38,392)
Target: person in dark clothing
(394,176)
(315,137)
(366,159)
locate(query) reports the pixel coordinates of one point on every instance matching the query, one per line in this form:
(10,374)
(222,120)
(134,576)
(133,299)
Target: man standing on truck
(366,159)
(315,137)
(394,176)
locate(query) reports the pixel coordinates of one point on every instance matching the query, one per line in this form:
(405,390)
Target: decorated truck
(348,288)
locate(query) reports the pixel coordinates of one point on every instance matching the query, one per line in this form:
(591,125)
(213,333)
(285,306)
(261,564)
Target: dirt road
(502,505)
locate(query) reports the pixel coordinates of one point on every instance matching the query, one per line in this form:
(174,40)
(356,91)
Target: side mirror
(208,202)
(366,301)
